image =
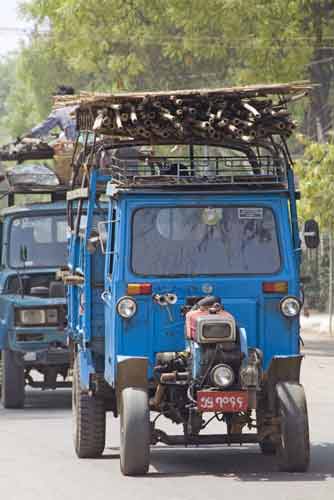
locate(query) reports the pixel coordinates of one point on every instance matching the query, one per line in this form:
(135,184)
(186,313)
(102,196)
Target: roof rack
(27,177)
(200,171)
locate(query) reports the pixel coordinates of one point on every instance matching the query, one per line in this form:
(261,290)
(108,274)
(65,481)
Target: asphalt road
(37,458)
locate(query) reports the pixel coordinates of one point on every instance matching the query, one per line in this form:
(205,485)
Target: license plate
(226,401)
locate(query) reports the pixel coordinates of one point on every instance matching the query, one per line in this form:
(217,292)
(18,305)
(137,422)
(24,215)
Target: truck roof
(34,207)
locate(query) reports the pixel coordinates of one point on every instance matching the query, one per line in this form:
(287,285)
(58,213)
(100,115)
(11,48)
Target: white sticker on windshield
(250,213)
(26,222)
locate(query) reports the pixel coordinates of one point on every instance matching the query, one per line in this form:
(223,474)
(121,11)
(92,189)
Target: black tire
(12,391)
(267,447)
(89,420)
(135,436)
(293,450)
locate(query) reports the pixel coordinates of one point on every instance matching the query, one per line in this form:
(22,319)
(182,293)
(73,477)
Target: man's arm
(43,129)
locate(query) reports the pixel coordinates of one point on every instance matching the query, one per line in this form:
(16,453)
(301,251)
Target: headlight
(36,317)
(222,375)
(290,307)
(126,307)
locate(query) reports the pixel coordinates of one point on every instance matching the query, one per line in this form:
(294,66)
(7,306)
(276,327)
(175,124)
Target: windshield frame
(214,205)
(30,214)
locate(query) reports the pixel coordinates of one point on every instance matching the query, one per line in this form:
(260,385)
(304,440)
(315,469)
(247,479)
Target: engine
(214,344)
(215,360)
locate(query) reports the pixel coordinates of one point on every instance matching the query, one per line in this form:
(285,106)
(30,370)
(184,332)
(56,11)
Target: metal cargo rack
(201,171)
(29,179)
(34,150)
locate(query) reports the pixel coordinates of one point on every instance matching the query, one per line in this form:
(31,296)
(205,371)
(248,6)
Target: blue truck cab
(33,312)
(184,301)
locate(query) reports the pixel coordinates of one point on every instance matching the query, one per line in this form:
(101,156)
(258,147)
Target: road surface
(37,458)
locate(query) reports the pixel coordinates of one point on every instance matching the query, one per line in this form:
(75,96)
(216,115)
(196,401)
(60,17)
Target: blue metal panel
(152,330)
(86,368)
(9,332)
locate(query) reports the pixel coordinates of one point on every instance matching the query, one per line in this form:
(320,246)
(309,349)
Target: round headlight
(222,375)
(126,307)
(290,307)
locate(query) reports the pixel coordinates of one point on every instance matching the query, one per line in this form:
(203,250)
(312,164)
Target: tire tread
(89,421)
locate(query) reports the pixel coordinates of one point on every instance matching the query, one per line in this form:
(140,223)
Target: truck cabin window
(43,238)
(221,240)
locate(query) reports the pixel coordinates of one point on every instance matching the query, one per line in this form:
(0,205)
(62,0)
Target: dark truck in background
(33,246)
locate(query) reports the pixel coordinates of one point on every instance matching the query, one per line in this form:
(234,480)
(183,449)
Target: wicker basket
(62,165)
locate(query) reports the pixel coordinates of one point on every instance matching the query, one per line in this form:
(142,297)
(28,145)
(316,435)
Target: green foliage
(316,176)
(36,72)
(148,44)
(7,77)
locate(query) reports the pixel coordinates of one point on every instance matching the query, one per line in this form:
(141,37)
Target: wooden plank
(261,90)
(73,279)
(77,194)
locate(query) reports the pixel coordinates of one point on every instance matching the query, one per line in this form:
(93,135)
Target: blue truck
(184,300)
(33,314)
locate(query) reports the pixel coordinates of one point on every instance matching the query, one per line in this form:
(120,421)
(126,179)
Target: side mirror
(311,234)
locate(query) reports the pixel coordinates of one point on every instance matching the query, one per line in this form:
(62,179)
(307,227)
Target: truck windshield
(44,240)
(205,241)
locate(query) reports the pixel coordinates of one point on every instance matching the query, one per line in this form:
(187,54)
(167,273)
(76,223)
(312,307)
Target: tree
(7,79)
(147,44)
(36,72)
(315,171)
(316,174)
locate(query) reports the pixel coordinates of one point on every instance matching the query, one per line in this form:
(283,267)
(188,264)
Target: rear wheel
(89,420)
(12,392)
(135,431)
(293,451)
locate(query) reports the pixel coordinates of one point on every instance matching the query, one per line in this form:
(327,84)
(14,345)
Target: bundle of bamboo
(244,114)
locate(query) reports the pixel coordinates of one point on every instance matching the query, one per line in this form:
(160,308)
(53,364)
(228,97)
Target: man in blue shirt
(61,118)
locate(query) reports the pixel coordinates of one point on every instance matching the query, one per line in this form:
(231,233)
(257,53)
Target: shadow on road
(50,401)
(60,399)
(245,464)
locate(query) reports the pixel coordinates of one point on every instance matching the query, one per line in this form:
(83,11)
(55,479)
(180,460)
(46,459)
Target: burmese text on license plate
(233,401)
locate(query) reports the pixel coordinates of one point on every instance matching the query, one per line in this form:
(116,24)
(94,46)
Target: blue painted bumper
(25,339)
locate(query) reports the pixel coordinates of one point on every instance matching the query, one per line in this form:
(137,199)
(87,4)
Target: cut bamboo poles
(244,114)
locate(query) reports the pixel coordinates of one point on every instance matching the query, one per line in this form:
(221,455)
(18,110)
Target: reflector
(139,289)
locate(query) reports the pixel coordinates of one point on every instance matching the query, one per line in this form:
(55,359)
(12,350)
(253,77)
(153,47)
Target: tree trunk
(319,119)
(330,288)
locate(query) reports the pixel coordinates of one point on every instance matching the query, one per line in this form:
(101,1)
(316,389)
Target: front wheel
(135,431)
(89,420)
(12,392)
(293,450)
